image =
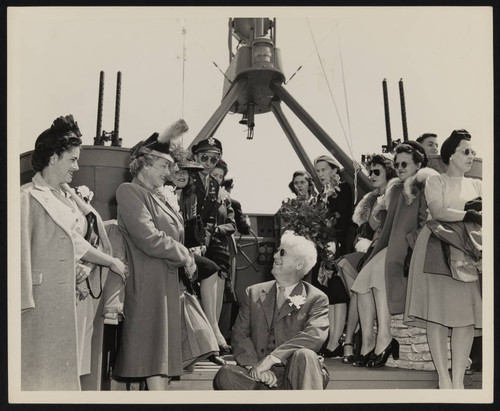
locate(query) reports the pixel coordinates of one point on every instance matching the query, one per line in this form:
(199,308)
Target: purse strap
(92,236)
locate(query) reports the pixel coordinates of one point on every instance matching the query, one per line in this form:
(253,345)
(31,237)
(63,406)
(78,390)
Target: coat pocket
(36,277)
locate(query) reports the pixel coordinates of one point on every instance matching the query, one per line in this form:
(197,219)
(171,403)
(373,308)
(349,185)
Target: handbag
(194,232)
(92,236)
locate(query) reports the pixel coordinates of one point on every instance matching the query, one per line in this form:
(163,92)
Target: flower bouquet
(314,221)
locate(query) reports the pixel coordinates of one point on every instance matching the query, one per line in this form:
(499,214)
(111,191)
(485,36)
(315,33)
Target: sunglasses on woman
(468,151)
(376,172)
(213,159)
(403,165)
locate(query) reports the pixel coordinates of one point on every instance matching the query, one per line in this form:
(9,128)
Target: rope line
(310,55)
(349,141)
(192,37)
(328,83)
(183,67)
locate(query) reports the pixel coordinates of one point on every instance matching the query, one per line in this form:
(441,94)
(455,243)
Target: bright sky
(444,55)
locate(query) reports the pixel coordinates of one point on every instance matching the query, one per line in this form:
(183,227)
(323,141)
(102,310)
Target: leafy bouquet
(312,220)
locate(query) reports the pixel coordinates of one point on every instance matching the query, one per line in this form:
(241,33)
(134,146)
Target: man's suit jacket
(306,327)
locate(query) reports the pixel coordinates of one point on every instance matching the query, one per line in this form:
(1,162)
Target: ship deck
(342,377)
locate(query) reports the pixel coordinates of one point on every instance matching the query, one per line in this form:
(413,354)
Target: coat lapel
(268,300)
(53,207)
(286,308)
(170,211)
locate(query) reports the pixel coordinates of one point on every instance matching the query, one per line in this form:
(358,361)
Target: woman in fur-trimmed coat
(383,277)
(369,216)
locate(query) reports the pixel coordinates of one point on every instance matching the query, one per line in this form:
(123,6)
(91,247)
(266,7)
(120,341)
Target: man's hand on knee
(269,378)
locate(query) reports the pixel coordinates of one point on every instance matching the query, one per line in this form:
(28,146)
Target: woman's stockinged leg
(336,315)
(220,284)
(366,310)
(461,344)
(384,335)
(157,383)
(352,318)
(208,291)
(437,337)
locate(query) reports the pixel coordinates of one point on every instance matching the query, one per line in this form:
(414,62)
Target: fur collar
(364,207)
(410,186)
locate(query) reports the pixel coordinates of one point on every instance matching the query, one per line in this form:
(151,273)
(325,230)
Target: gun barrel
(97,139)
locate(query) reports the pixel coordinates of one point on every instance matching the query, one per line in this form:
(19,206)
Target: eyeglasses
(376,172)
(468,151)
(403,165)
(213,159)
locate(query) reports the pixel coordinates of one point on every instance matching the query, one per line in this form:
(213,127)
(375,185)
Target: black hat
(159,144)
(61,126)
(416,146)
(157,148)
(210,144)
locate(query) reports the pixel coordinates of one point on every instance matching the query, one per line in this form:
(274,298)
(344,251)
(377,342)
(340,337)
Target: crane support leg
(219,114)
(320,134)
(294,141)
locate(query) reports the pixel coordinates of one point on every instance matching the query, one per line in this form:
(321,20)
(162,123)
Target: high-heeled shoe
(363,360)
(381,359)
(348,359)
(217,360)
(337,352)
(225,349)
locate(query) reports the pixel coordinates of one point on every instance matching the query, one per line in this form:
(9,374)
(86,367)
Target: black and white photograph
(228,199)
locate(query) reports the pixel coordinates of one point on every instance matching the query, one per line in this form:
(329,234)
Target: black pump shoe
(225,349)
(363,360)
(381,359)
(337,352)
(217,360)
(348,359)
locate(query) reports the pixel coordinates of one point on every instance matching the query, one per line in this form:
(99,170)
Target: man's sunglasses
(213,159)
(403,165)
(376,172)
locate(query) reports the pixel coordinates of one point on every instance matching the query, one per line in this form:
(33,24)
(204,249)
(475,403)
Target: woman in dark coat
(368,215)
(154,232)
(338,196)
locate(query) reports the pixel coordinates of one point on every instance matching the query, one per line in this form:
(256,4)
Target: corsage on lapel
(296,301)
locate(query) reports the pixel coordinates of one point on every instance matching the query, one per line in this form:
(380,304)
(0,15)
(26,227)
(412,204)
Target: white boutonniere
(84,193)
(297,301)
(171,197)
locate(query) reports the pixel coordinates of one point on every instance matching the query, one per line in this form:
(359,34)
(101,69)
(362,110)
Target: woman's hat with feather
(158,144)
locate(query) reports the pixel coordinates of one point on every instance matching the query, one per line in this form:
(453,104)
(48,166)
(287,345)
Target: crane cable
(355,165)
(191,36)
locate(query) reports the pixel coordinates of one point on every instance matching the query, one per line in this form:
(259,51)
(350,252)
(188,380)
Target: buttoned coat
(49,359)
(294,328)
(49,341)
(151,334)
(406,215)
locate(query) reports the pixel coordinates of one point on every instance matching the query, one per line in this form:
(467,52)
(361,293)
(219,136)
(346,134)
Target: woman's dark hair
(415,149)
(452,142)
(223,166)
(310,189)
(63,135)
(188,189)
(387,164)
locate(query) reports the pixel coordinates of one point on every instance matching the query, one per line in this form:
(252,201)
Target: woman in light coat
(151,344)
(52,252)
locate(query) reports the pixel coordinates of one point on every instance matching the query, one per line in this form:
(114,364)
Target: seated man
(280,327)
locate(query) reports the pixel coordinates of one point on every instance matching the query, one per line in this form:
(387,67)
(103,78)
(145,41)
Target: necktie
(281,297)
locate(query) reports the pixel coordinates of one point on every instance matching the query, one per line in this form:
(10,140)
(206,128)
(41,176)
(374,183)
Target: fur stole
(410,186)
(364,208)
